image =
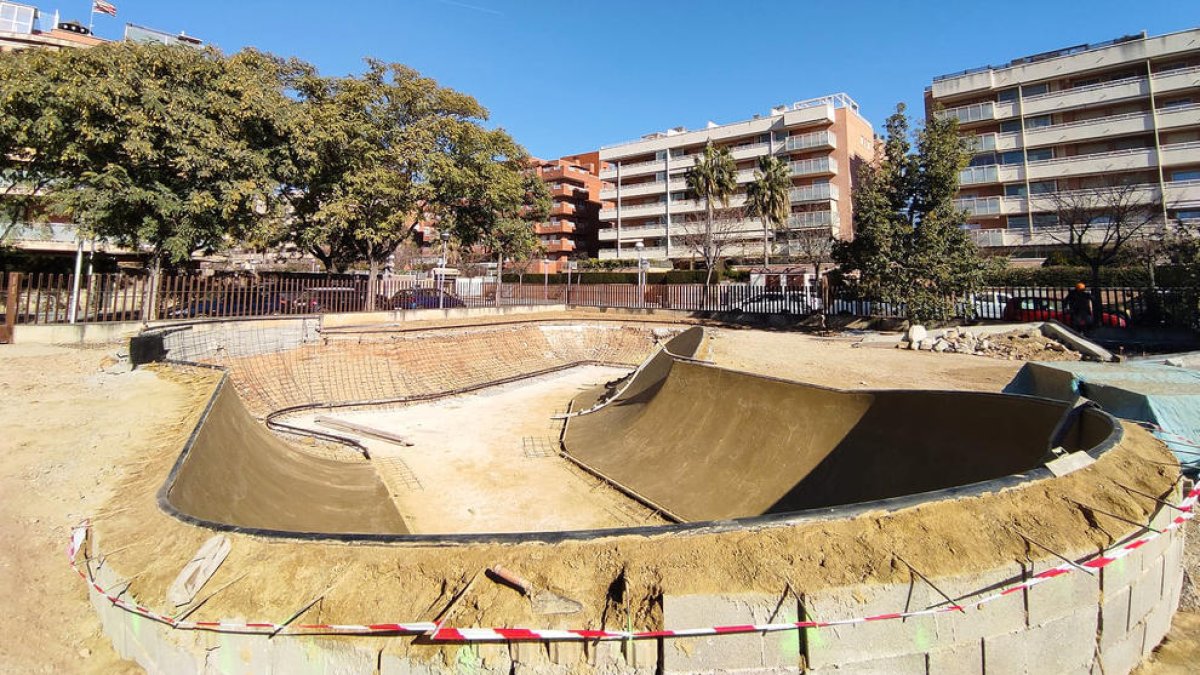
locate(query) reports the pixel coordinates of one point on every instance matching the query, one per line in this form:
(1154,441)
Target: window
(679,196)
(983,160)
(1018,221)
(1187,215)
(1038,122)
(1039,154)
(1014,190)
(1011,157)
(1010,126)
(1044,187)
(16,18)
(660,155)
(1007,95)
(1186,174)
(1085,83)
(1035,89)
(1045,219)
(678,152)
(1176,103)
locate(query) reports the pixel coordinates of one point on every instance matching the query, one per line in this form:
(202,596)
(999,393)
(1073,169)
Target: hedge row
(672,277)
(1069,276)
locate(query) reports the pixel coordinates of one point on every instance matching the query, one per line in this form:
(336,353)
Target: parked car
(235,302)
(331,299)
(984,305)
(775,302)
(424,298)
(1047,309)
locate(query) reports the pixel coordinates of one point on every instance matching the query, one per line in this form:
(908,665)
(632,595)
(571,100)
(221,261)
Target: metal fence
(47,298)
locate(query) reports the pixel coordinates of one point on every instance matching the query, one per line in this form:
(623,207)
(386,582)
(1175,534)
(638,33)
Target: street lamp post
(641,273)
(442,271)
(545,280)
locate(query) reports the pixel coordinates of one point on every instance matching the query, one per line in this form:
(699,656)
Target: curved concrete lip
(749,523)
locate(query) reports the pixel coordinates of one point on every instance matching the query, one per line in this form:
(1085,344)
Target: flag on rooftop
(104,7)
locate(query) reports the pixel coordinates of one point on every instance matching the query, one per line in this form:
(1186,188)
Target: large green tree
(769,198)
(909,246)
(378,154)
(713,178)
(165,148)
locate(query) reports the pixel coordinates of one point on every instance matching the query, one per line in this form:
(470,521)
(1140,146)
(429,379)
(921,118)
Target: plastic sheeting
(1148,390)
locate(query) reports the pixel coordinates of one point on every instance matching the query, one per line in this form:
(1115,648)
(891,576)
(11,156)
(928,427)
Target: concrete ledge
(76,334)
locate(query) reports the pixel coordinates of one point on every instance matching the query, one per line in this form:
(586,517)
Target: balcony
(635,232)
(976,112)
(1101,162)
(980,206)
(1184,193)
(1179,116)
(568,172)
(1089,96)
(563,209)
(815,167)
(1181,153)
(630,253)
(974,175)
(1173,80)
(813,219)
(1007,238)
(815,193)
(635,211)
(819,139)
(982,143)
(554,227)
(1102,127)
(560,246)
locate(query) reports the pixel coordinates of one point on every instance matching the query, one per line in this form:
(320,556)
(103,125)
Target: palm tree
(712,177)
(769,197)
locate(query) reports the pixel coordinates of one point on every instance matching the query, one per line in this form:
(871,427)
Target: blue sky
(570,76)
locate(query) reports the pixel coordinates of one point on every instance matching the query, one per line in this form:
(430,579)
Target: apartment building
(571,231)
(1080,118)
(22,26)
(646,198)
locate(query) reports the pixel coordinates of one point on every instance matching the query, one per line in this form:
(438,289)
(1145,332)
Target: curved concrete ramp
(704,443)
(237,473)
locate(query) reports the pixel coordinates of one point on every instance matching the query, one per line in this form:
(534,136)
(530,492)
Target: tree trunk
(766,245)
(150,304)
(709,256)
(372,281)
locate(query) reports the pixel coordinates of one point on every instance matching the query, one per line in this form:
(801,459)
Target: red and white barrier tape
(438,633)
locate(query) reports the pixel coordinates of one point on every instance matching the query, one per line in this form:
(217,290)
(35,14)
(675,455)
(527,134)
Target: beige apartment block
(646,198)
(1078,118)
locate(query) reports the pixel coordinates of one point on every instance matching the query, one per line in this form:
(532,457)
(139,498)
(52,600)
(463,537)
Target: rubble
(1018,345)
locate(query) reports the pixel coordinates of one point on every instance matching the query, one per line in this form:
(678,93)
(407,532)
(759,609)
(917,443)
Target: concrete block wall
(1106,622)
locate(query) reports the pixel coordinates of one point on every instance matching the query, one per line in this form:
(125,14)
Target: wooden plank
(362,430)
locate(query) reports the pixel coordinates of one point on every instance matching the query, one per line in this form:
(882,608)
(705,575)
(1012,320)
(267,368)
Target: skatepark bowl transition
(644,490)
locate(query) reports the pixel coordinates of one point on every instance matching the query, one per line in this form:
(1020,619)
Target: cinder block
(1158,624)
(1064,645)
(566,653)
(729,652)
(1173,570)
(296,654)
(1114,617)
(962,659)
(998,617)
(1123,655)
(906,664)
(1121,573)
(641,655)
(841,645)
(1146,592)
(1061,595)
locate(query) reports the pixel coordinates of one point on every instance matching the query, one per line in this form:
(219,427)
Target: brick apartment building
(646,198)
(1074,119)
(572,228)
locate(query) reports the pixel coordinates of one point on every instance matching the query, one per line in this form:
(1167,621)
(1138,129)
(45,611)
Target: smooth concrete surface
(705,443)
(402,316)
(79,333)
(238,473)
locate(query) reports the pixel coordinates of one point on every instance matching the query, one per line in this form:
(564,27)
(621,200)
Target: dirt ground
(69,434)
(491,458)
(84,444)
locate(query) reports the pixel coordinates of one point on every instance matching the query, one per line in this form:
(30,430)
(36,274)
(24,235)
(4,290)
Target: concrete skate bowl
(711,449)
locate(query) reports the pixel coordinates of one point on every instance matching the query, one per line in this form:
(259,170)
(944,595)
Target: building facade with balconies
(646,198)
(571,230)
(1123,112)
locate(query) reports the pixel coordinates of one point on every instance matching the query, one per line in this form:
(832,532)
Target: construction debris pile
(1018,345)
